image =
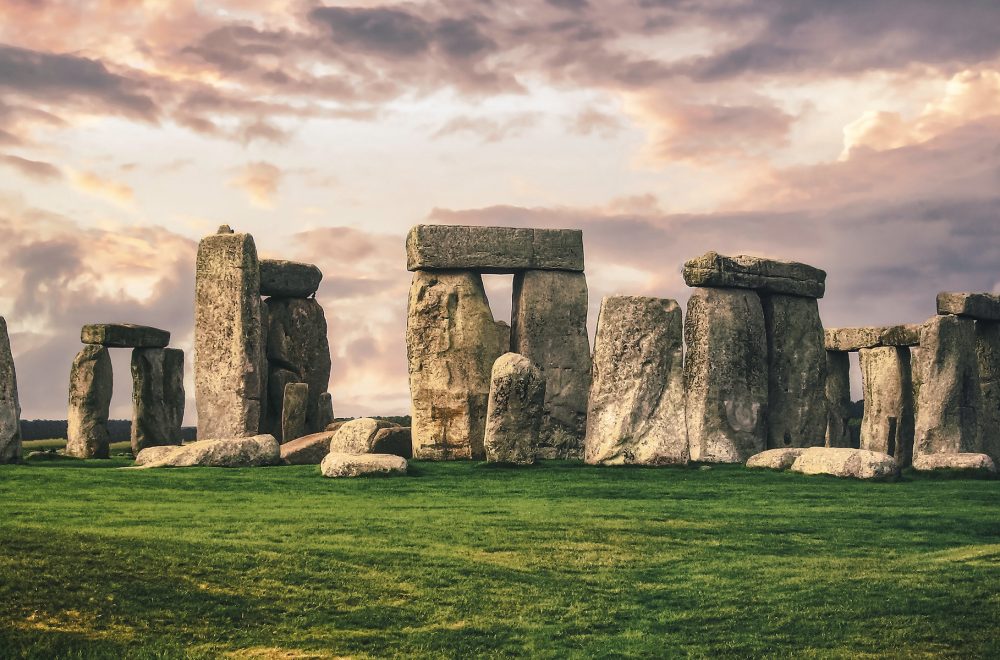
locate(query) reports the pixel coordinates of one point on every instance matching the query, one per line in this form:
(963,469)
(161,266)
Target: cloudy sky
(860,136)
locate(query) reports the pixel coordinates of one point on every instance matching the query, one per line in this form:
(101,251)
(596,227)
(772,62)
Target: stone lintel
(746,272)
(493,249)
(854,339)
(124,335)
(980,306)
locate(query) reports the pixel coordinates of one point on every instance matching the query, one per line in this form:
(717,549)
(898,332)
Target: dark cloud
(378,30)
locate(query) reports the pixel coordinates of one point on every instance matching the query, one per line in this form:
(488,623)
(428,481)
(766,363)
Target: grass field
(462,560)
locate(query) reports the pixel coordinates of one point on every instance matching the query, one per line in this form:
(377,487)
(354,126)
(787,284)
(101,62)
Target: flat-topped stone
(849,463)
(854,339)
(124,335)
(965,461)
(253,451)
(775,459)
(982,306)
(493,249)
(746,272)
(337,464)
(288,279)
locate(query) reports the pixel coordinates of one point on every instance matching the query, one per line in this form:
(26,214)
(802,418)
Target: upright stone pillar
(293,412)
(10,409)
(887,425)
(725,375)
(157,397)
(325,411)
(90,386)
(229,356)
(451,345)
(515,410)
(838,398)
(549,327)
(988,354)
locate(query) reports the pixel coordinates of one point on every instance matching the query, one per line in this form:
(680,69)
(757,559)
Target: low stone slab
(493,249)
(982,306)
(307,450)
(288,279)
(229,452)
(358,435)
(745,272)
(339,464)
(854,339)
(775,459)
(124,335)
(850,463)
(964,461)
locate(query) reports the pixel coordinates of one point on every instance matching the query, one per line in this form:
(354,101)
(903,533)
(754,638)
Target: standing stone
(10,409)
(838,399)
(887,425)
(325,412)
(157,397)
(229,355)
(90,385)
(988,355)
(796,361)
(293,411)
(451,345)
(950,396)
(549,327)
(503,336)
(514,415)
(725,375)
(635,413)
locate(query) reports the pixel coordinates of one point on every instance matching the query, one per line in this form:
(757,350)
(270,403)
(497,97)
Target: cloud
(94,184)
(260,180)
(35,169)
(486,129)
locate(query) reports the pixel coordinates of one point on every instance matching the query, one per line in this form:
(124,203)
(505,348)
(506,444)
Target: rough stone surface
(358,435)
(854,339)
(324,412)
(950,396)
(887,425)
(451,344)
(396,440)
(838,399)
(308,450)
(983,306)
(745,272)
(90,385)
(124,335)
(493,249)
(775,459)
(503,337)
(796,363)
(293,411)
(157,397)
(229,352)
(635,414)
(725,375)
(252,451)
(10,408)
(514,414)
(988,356)
(965,462)
(337,464)
(851,463)
(549,327)
(288,279)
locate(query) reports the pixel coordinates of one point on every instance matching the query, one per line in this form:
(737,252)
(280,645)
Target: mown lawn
(462,560)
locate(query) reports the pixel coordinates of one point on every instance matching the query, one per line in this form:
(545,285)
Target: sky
(859,136)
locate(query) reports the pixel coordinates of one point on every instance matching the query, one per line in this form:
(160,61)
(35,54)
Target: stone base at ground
(229,452)
(775,459)
(964,462)
(850,463)
(337,464)
(307,450)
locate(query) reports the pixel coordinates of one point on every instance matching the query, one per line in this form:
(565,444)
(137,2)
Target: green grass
(462,560)
(46,445)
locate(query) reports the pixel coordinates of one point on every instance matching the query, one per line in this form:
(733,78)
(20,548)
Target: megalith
(988,355)
(514,412)
(288,279)
(10,408)
(635,413)
(887,425)
(157,397)
(838,398)
(90,385)
(295,403)
(549,328)
(325,411)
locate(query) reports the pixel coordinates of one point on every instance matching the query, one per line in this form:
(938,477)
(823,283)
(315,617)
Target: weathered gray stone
(980,463)
(887,425)
(745,272)
(838,399)
(324,413)
(157,397)
(850,463)
(493,249)
(503,337)
(982,306)
(950,396)
(514,414)
(254,451)
(229,352)
(854,339)
(549,327)
(308,450)
(338,464)
(10,408)
(288,279)
(124,335)
(396,440)
(988,355)
(635,413)
(796,363)
(293,411)
(725,375)
(451,343)
(90,385)
(775,459)
(358,435)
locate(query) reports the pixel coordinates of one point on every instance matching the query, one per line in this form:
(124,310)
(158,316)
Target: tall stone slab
(10,408)
(294,411)
(157,397)
(725,375)
(229,355)
(950,396)
(549,327)
(90,385)
(838,398)
(635,414)
(325,411)
(451,345)
(796,359)
(988,355)
(514,412)
(887,425)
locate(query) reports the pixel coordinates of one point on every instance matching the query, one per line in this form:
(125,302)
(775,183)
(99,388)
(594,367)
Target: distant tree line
(120,430)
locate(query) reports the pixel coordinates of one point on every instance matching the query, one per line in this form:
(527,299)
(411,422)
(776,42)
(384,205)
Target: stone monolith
(887,425)
(90,385)
(514,413)
(293,411)
(503,336)
(325,411)
(988,355)
(10,408)
(157,397)
(838,399)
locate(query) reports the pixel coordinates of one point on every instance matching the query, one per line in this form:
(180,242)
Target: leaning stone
(514,415)
(10,408)
(980,306)
(635,414)
(745,272)
(396,440)
(838,399)
(293,411)
(324,414)
(157,397)
(308,450)
(358,435)
(854,339)
(851,463)
(451,344)
(988,357)
(338,464)
(229,352)
(887,425)
(90,385)
(288,279)
(493,249)
(252,451)
(549,328)
(981,463)
(725,375)
(124,335)
(775,459)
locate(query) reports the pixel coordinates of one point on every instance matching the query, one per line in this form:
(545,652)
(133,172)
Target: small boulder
(230,452)
(842,462)
(358,435)
(966,462)
(339,464)
(307,450)
(775,459)
(395,440)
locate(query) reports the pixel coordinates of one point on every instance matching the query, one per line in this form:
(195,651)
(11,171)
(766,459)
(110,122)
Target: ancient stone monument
(515,410)
(10,409)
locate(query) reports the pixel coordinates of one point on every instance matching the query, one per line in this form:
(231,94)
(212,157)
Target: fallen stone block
(255,451)
(358,435)
(124,335)
(10,408)
(980,306)
(854,339)
(775,459)
(493,249)
(514,413)
(965,462)
(307,450)
(850,463)
(337,464)
(395,440)
(288,279)
(745,272)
